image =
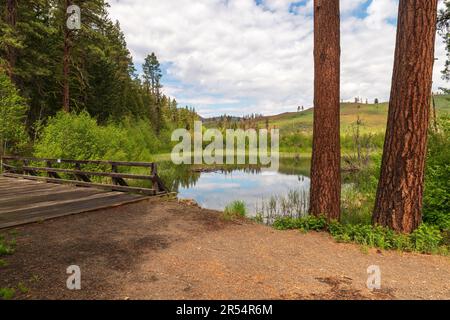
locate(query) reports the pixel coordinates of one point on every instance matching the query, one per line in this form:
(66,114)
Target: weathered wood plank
(81,206)
(7,222)
(30,200)
(27,189)
(36,207)
(22,200)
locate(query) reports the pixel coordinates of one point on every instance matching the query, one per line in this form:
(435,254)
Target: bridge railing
(51,171)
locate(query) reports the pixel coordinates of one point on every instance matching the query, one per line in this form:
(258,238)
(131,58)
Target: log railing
(51,171)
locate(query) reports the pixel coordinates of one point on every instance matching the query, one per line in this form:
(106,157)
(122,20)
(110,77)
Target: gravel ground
(169,250)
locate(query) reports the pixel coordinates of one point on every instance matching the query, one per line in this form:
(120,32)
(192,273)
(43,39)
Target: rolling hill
(373,117)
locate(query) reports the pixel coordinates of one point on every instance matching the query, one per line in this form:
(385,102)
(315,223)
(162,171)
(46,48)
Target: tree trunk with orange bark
(400,190)
(326,155)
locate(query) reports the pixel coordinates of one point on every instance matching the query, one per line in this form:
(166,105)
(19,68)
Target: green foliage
(308,223)
(102,77)
(12,115)
(436,209)
(426,239)
(236,209)
(78,136)
(358,192)
(7,293)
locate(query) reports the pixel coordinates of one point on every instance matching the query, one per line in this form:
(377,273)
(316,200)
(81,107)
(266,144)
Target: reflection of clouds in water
(216,185)
(215,190)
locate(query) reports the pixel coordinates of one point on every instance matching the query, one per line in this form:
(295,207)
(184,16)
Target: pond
(215,188)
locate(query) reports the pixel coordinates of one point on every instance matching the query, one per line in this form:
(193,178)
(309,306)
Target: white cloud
(237,57)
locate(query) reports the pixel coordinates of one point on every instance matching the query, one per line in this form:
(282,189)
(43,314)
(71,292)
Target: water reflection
(215,187)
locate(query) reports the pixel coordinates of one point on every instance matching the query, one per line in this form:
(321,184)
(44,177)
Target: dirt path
(167,250)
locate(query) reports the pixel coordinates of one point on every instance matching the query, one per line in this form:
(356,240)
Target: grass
(235,210)
(7,247)
(294,204)
(22,288)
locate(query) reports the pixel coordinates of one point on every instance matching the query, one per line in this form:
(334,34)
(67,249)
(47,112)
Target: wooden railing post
(81,177)
(154,172)
(114,170)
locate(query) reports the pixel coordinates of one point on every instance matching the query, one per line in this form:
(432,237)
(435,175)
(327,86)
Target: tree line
(399,198)
(56,68)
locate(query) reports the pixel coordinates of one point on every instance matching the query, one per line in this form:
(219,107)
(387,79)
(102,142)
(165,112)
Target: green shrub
(78,136)
(7,293)
(427,239)
(236,209)
(436,202)
(308,223)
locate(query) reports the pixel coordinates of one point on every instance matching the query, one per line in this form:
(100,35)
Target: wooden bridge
(33,190)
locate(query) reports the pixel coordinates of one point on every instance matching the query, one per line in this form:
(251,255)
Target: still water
(215,189)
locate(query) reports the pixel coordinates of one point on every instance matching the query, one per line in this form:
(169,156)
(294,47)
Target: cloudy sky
(244,56)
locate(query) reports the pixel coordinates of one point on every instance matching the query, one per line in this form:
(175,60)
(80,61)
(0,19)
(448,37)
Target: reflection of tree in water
(176,176)
(295,166)
(186,176)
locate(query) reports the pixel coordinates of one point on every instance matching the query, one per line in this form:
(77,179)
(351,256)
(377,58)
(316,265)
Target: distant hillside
(373,116)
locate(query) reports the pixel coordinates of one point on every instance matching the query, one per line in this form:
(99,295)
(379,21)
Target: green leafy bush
(308,223)
(7,293)
(78,136)
(426,239)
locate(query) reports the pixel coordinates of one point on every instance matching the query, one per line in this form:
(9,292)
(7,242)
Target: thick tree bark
(326,156)
(66,60)
(400,190)
(11,19)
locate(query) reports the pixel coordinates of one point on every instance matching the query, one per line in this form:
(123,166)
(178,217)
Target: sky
(239,57)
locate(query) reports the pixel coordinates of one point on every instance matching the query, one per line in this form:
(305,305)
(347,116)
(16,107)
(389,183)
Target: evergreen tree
(152,82)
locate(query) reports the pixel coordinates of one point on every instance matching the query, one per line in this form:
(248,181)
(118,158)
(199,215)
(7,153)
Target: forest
(372,173)
(50,74)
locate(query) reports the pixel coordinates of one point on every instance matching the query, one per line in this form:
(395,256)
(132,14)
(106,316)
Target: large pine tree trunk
(66,60)
(11,19)
(399,197)
(326,156)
